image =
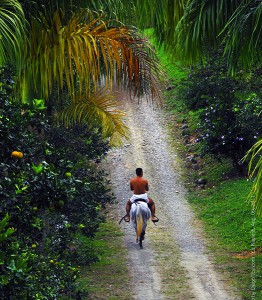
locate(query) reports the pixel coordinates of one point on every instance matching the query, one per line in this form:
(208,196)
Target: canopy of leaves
(189,28)
(70,52)
(84,49)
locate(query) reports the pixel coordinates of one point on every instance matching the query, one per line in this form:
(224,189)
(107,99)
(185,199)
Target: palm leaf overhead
(188,28)
(74,55)
(101,109)
(84,49)
(12,23)
(163,16)
(200,26)
(67,54)
(243,39)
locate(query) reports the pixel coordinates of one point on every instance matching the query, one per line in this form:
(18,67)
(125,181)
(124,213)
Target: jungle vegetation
(59,63)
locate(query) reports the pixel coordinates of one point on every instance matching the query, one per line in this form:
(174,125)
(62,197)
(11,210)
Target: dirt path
(149,148)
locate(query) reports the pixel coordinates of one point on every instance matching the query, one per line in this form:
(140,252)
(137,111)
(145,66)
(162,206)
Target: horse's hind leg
(141,238)
(140,242)
(142,235)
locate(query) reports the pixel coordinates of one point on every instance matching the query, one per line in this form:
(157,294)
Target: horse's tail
(139,221)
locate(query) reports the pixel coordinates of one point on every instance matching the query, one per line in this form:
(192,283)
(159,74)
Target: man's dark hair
(139,171)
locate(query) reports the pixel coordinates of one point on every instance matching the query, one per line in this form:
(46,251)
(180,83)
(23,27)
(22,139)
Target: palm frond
(100,109)
(255,171)
(243,39)
(200,26)
(81,50)
(12,32)
(163,16)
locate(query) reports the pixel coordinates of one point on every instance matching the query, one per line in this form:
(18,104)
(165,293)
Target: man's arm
(131,186)
(146,186)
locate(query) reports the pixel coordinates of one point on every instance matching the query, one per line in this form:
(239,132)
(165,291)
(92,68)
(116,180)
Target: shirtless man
(140,187)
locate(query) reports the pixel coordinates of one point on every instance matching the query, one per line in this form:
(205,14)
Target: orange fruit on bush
(17,154)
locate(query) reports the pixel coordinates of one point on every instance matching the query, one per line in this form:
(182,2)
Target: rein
(122,219)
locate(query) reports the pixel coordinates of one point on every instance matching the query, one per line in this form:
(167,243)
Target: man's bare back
(139,185)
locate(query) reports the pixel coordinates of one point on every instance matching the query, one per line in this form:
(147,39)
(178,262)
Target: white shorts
(141,196)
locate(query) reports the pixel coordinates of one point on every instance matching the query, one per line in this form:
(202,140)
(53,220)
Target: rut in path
(148,148)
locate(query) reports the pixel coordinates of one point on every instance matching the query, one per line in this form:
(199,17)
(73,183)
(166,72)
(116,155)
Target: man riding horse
(140,187)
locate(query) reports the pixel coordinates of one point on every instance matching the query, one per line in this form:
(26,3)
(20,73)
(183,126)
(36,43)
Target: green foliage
(6,81)
(13,260)
(54,215)
(189,29)
(243,35)
(174,70)
(227,109)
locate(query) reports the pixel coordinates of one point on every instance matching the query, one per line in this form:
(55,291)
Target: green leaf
(38,169)
(11,265)
(39,104)
(4,222)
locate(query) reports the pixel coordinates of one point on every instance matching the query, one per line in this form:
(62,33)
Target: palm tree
(68,53)
(76,54)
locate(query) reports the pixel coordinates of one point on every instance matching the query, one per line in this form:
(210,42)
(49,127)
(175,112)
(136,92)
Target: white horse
(140,214)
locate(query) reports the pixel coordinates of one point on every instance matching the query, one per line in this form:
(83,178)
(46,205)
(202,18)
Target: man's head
(139,172)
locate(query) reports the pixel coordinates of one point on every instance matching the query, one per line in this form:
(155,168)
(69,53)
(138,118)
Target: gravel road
(150,149)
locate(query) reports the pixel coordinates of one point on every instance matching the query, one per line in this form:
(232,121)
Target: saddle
(140,200)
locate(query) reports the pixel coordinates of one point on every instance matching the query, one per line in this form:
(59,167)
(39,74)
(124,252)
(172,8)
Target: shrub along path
(174,263)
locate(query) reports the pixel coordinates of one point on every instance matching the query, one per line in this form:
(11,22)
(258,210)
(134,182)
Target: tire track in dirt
(148,148)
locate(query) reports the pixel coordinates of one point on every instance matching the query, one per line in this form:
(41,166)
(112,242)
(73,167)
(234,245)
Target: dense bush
(228,109)
(50,201)
(230,128)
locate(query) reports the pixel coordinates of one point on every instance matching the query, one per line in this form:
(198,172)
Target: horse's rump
(139,214)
